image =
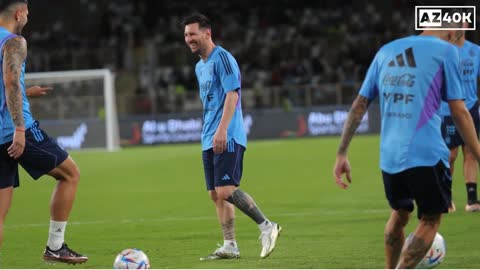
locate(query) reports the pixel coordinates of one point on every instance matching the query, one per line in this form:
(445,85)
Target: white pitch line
(170,219)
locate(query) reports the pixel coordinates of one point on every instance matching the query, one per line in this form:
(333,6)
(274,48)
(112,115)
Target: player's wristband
(20,129)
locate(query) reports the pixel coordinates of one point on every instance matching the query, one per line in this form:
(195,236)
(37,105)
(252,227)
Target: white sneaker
(474,207)
(269,239)
(223,252)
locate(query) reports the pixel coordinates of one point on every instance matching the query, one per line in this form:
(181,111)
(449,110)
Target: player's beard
(196,50)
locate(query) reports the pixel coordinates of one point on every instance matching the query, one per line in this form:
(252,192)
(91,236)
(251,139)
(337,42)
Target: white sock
(232,243)
(56,234)
(265,226)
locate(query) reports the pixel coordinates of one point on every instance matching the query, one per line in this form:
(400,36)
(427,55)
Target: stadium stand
(290,54)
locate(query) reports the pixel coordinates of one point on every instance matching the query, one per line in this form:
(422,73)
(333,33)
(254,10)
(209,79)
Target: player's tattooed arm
(355,116)
(14,54)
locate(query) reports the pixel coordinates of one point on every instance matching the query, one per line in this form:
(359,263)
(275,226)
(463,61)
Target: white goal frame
(111,118)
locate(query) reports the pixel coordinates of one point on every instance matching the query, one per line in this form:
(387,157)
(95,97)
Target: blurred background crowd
(291,53)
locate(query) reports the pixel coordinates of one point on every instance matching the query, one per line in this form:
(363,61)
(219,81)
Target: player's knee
(213,195)
(431,219)
(74,174)
(453,156)
(403,222)
(468,155)
(70,175)
(400,218)
(224,194)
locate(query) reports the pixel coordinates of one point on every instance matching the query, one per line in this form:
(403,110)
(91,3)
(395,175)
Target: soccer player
(23,142)
(469,72)
(224,139)
(411,76)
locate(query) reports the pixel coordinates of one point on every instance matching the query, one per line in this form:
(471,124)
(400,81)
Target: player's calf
(269,230)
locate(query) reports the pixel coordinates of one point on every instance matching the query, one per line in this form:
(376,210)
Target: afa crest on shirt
(207,69)
(205,86)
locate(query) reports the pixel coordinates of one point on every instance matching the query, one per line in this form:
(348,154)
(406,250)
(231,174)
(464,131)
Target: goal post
(77,97)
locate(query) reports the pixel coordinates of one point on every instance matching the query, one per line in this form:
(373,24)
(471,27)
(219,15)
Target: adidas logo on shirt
(400,59)
(226,177)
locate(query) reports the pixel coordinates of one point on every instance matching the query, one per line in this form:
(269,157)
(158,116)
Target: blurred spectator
(276,43)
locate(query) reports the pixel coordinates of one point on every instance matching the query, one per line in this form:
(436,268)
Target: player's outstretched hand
(342,166)
(37,91)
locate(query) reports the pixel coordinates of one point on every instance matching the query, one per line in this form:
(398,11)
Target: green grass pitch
(154,198)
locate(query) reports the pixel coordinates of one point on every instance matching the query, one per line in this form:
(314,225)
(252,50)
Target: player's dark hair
(452,24)
(5,4)
(202,20)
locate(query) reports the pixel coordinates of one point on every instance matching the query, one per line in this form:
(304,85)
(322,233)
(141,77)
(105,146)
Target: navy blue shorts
(430,187)
(450,134)
(224,169)
(41,155)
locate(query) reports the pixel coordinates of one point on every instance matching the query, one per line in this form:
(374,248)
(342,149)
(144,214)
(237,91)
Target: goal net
(80,111)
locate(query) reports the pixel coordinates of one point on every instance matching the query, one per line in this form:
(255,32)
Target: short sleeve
(451,72)
(228,72)
(369,87)
(477,54)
